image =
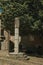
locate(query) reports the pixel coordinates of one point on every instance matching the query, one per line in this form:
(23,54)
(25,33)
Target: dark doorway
(20,47)
(2,32)
(11,46)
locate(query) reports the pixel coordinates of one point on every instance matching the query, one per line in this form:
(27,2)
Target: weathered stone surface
(0,29)
(15,39)
(12,38)
(16,49)
(17,22)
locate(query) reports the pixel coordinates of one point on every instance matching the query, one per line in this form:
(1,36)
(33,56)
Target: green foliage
(29,11)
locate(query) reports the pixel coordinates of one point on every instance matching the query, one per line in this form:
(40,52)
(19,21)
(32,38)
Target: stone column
(0,29)
(5,44)
(16,45)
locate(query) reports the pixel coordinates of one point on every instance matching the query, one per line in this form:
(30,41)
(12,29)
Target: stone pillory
(15,39)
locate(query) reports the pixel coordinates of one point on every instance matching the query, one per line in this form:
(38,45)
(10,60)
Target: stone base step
(19,56)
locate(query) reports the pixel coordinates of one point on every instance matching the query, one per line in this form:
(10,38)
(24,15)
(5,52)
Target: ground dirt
(11,61)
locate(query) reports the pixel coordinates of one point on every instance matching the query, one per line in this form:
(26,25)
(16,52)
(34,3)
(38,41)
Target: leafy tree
(29,11)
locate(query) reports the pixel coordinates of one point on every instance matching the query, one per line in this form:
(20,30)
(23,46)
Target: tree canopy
(30,13)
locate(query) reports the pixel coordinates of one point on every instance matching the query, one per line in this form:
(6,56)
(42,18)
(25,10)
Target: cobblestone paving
(31,61)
